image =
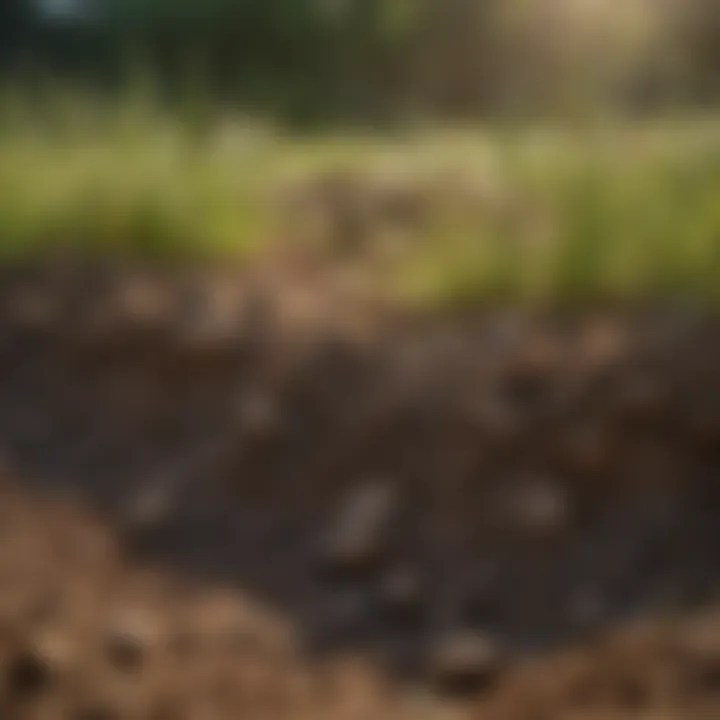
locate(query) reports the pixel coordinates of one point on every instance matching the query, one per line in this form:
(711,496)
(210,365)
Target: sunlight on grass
(616,212)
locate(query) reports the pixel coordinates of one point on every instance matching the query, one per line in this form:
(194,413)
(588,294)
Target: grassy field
(616,211)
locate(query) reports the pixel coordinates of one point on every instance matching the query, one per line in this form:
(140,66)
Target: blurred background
(359,359)
(380,59)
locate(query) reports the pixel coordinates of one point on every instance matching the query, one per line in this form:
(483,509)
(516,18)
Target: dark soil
(212,509)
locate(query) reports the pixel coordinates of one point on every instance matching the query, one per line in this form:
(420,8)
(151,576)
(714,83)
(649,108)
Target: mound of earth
(230,512)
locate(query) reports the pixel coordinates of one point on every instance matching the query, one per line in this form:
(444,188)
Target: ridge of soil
(185,460)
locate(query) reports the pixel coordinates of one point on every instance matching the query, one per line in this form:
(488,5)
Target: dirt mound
(429,518)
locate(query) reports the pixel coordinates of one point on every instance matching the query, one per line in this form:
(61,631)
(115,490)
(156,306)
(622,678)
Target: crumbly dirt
(214,505)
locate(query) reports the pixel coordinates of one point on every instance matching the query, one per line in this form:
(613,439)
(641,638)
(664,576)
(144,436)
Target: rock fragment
(536,505)
(401,596)
(128,644)
(36,666)
(358,540)
(465,663)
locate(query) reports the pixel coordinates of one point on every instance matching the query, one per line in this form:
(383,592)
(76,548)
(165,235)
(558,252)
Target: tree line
(380,58)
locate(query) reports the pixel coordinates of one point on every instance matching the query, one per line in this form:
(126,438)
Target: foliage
(375,59)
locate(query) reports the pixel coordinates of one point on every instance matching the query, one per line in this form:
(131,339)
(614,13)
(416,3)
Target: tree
(18,19)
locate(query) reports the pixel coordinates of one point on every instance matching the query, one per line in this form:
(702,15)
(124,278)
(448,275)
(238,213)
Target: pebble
(28,674)
(358,540)
(125,651)
(151,505)
(259,415)
(465,663)
(35,667)
(538,505)
(401,595)
(128,643)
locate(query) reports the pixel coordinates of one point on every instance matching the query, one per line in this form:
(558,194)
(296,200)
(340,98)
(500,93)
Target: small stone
(127,645)
(465,663)
(539,506)
(153,504)
(126,653)
(401,595)
(142,300)
(28,674)
(34,668)
(358,540)
(259,415)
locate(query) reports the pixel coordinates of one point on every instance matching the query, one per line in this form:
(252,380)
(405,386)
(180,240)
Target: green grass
(627,214)
(617,212)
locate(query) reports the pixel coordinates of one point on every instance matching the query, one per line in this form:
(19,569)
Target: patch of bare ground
(222,501)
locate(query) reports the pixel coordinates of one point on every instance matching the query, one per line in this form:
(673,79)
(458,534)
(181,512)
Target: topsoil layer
(212,509)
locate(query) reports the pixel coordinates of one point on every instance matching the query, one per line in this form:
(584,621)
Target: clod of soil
(465,663)
(401,595)
(357,541)
(34,668)
(538,506)
(128,643)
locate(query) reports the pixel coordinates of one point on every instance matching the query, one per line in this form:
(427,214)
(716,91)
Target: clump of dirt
(511,515)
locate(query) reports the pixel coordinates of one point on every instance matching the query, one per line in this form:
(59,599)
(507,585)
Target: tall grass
(614,212)
(628,214)
(125,179)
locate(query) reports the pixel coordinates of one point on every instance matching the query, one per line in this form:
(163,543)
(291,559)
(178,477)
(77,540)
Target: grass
(135,185)
(621,211)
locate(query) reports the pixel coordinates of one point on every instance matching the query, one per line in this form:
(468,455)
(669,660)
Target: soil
(215,505)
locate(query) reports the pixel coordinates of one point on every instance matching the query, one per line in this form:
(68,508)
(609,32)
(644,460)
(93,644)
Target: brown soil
(211,509)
